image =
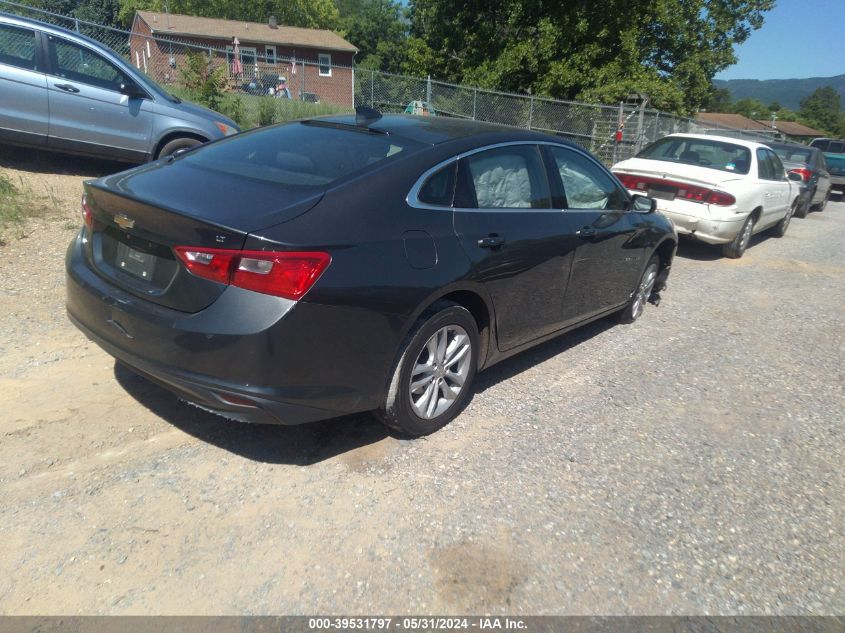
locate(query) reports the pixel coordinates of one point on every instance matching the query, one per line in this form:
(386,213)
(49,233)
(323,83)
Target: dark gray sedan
(809,163)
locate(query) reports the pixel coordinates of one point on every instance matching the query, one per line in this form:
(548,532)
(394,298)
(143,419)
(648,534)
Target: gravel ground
(690,463)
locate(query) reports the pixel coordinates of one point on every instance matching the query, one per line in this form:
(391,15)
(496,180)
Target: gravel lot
(690,463)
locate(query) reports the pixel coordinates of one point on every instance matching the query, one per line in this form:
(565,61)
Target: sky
(799,38)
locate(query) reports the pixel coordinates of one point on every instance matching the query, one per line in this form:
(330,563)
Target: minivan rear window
(309,154)
(708,153)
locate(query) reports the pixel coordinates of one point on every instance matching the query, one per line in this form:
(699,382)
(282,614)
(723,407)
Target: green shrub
(267,111)
(204,80)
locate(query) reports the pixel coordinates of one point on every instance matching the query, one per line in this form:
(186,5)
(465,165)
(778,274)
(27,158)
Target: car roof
(722,139)
(437,130)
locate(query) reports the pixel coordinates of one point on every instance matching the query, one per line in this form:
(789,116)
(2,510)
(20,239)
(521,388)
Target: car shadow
(507,369)
(307,444)
(43,162)
(301,445)
(690,248)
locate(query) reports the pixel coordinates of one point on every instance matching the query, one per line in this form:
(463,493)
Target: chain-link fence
(250,91)
(611,132)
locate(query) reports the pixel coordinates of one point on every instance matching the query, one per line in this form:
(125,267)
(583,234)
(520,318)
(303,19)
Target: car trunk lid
(134,230)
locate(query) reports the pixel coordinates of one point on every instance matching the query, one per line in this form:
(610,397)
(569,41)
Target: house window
(325,65)
(270,54)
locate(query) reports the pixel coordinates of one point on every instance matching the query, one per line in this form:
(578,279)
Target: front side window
(764,166)
(700,152)
(325,65)
(585,184)
(509,177)
(776,166)
(17,47)
(77,63)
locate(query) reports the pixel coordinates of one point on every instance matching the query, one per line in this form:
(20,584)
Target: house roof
(793,128)
(214,28)
(734,121)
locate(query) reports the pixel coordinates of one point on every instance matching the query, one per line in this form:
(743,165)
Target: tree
(752,108)
(821,109)
(718,100)
(668,49)
(378,28)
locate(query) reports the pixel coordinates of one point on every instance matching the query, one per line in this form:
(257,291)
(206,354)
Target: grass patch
(13,205)
(250,111)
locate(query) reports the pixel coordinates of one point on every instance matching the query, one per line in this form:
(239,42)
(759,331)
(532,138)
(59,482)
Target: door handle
(587,231)
(491,241)
(67,87)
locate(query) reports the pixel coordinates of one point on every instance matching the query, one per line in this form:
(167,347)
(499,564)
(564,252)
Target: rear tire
(803,209)
(821,205)
(737,247)
(184,142)
(642,293)
(433,378)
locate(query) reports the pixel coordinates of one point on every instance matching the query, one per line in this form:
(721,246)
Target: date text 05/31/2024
(414,624)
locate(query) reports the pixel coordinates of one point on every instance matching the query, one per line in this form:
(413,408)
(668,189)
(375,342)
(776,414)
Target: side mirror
(132,90)
(794,177)
(643,204)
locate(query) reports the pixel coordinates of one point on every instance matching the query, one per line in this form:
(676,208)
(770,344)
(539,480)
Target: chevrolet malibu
(356,263)
(719,190)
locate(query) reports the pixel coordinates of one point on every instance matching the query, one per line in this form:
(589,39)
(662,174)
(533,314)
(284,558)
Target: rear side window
(17,47)
(306,155)
(77,63)
(836,147)
(821,143)
(440,187)
(701,152)
(509,177)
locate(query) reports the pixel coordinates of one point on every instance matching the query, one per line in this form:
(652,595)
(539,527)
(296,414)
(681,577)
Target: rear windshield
(792,154)
(701,152)
(307,155)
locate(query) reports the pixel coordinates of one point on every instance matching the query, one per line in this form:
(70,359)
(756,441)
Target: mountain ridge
(787,92)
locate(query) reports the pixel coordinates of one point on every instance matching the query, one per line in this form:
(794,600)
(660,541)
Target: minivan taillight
(287,274)
(805,173)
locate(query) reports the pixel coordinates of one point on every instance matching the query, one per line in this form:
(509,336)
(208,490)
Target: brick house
(323,67)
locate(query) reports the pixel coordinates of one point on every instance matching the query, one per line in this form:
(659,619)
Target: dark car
(809,163)
(346,264)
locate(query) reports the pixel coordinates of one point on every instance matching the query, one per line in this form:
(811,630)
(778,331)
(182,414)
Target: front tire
(433,378)
(735,249)
(176,144)
(780,227)
(642,293)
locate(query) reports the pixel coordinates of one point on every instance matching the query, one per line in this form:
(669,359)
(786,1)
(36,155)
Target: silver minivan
(62,91)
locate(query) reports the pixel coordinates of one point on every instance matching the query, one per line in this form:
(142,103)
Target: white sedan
(717,189)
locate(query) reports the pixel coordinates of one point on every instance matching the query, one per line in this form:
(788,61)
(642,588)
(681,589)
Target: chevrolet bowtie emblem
(124,221)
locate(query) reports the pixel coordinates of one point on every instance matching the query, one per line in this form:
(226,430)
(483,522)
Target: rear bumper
(837,183)
(234,358)
(711,231)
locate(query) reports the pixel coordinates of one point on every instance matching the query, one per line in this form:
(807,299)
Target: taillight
(805,173)
(633,182)
(720,198)
(683,191)
(87,217)
(285,274)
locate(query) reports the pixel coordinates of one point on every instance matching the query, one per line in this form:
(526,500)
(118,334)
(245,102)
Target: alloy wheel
(644,292)
(440,371)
